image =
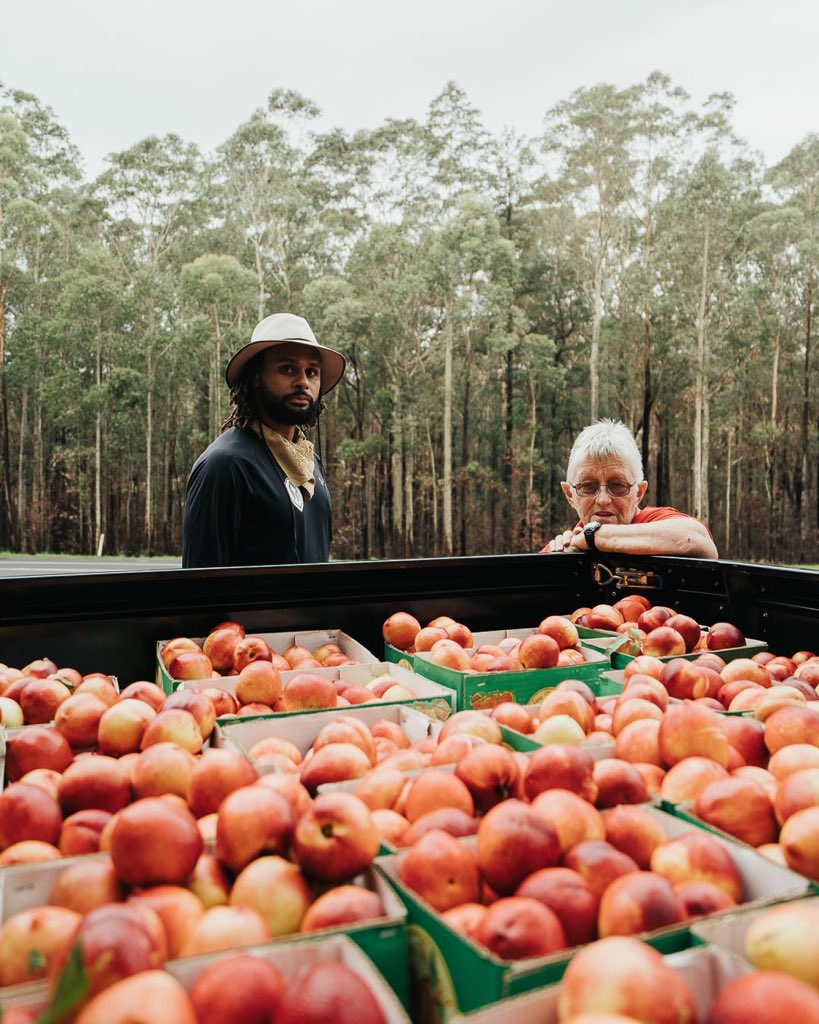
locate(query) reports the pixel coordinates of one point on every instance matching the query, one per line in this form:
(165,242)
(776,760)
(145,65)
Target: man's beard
(278,411)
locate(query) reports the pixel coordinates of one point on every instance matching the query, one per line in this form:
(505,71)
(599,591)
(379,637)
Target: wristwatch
(589,530)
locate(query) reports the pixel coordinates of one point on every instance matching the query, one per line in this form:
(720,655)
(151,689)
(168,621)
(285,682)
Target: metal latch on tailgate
(634,579)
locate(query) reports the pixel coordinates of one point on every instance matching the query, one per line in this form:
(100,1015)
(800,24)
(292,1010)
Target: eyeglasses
(589,488)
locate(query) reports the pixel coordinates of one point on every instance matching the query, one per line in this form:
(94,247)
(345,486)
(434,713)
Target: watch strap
(589,530)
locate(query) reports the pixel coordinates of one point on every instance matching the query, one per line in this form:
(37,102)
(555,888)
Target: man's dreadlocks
(243,399)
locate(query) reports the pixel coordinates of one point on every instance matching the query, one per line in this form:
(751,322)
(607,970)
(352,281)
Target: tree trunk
(21,474)
(98,529)
(447,510)
(257,256)
(9,536)
(467,378)
(509,449)
(214,385)
(530,473)
(706,455)
(40,500)
(775,355)
(805,517)
(662,464)
(396,469)
(729,470)
(647,398)
(739,510)
(149,446)
(409,505)
(434,479)
(597,319)
(700,383)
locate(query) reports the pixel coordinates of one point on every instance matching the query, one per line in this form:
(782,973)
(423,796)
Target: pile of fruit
(207,857)
(241,988)
(555,643)
(622,981)
(228,649)
(525,854)
(656,629)
(555,872)
(31,695)
(259,688)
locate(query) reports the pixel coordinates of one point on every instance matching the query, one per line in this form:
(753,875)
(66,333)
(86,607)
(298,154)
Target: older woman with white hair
(605,486)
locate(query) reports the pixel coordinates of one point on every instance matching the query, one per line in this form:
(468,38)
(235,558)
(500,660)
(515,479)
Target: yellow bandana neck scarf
(294,457)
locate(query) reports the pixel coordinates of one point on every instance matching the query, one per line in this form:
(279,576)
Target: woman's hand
(569,540)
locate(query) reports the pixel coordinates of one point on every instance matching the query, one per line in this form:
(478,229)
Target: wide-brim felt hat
(280,328)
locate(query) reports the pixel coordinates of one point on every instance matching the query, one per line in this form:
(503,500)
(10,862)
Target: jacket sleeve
(213,511)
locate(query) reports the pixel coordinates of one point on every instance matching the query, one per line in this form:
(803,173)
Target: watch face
(589,531)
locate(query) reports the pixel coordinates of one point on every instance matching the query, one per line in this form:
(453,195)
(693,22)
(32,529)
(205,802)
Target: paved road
(39,565)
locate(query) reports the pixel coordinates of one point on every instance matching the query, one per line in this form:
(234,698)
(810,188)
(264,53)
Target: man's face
(288,383)
(603,506)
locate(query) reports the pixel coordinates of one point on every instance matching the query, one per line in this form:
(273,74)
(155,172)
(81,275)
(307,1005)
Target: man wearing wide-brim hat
(257,495)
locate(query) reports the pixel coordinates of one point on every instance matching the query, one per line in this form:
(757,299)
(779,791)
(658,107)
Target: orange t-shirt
(651,514)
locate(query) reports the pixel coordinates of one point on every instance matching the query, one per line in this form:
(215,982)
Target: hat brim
(332,362)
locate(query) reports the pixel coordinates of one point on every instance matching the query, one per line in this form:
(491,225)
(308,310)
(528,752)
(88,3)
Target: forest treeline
(493,294)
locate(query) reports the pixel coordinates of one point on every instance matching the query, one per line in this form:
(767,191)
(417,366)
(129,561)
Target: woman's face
(603,506)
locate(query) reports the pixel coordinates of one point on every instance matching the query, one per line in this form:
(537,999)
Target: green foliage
(636,227)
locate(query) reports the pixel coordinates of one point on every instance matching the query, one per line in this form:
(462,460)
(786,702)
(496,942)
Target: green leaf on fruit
(70,991)
(37,962)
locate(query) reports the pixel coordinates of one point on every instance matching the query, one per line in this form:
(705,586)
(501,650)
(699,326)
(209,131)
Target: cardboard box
(619,659)
(685,812)
(26,886)
(486,689)
(705,970)
(302,729)
(616,677)
(278,642)
(451,974)
(433,699)
(289,957)
(526,743)
(393,654)
(727,932)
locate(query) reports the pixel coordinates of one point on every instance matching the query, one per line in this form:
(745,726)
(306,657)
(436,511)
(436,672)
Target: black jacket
(238,510)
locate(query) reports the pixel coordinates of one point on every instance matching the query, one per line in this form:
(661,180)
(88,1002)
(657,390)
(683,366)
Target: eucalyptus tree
(470,279)
(219,294)
(590,135)
(664,126)
(551,302)
(342,189)
(386,271)
(768,361)
(88,318)
(796,179)
(151,194)
(703,262)
(351,443)
(455,147)
(263,181)
(38,169)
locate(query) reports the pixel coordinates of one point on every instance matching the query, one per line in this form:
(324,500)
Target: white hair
(606,439)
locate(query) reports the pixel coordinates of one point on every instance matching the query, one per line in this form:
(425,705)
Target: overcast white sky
(114,72)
